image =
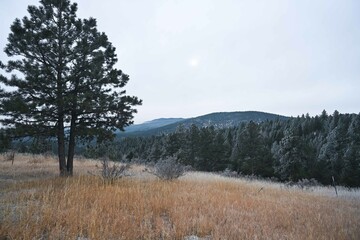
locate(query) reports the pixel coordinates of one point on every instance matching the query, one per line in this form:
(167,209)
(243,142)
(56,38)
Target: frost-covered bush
(168,169)
(304,183)
(111,172)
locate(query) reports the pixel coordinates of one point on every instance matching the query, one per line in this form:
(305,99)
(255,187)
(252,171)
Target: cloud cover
(188,58)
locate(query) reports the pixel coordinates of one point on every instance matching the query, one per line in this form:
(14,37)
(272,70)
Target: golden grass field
(37,204)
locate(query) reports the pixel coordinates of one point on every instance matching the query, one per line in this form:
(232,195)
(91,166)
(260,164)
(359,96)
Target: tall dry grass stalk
(143,207)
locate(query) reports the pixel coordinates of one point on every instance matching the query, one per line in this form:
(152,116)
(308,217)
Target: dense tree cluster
(317,147)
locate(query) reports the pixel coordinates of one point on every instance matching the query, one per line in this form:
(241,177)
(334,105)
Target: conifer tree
(69,86)
(290,158)
(254,158)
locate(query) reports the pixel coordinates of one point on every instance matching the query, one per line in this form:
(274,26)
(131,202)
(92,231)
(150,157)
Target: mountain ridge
(216,119)
(155,123)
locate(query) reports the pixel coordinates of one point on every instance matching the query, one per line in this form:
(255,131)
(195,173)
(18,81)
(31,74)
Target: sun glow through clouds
(194,62)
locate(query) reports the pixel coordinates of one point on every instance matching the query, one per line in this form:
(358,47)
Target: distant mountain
(157,123)
(218,120)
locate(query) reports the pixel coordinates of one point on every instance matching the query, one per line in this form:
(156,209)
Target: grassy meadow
(37,204)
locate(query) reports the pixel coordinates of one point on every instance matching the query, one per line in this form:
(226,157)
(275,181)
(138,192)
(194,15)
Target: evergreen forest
(321,148)
(292,149)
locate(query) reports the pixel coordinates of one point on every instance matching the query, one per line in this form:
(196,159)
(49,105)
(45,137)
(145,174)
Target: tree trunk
(72,143)
(60,99)
(72,137)
(61,147)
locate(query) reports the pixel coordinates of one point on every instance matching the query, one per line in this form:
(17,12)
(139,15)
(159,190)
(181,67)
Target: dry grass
(29,166)
(198,204)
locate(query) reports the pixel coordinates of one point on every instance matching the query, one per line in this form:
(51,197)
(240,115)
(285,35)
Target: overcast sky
(187,58)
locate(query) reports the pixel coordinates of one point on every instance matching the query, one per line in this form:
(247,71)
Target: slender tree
(69,87)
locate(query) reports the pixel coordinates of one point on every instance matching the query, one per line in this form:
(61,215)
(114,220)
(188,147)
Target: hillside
(229,119)
(218,120)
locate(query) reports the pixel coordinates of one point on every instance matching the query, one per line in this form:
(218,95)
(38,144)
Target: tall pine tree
(69,87)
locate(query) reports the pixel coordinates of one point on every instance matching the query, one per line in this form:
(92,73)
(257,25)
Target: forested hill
(229,119)
(320,147)
(217,120)
(153,124)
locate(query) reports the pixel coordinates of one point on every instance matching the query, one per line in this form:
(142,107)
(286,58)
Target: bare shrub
(168,169)
(308,183)
(48,154)
(10,156)
(305,184)
(228,173)
(233,174)
(112,172)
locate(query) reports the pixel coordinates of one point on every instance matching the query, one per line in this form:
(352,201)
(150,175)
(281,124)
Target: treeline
(305,147)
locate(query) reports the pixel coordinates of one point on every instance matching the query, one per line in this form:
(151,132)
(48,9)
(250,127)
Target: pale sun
(194,62)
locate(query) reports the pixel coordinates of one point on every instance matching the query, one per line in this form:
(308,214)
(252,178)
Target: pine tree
(254,156)
(291,158)
(350,175)
(190,146)
(206,160)
(70,87)
(218,150)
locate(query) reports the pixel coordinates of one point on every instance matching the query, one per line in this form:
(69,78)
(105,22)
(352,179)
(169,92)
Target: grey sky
(191,57)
